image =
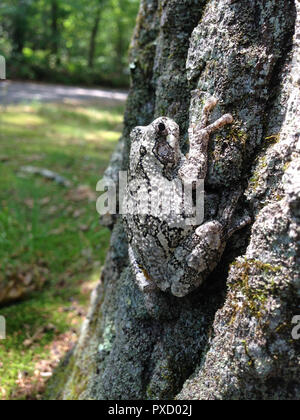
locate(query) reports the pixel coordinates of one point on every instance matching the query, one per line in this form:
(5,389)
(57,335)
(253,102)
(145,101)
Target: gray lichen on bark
(232,337)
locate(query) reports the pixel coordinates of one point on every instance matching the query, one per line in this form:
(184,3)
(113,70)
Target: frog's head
(165,135)
(157,143)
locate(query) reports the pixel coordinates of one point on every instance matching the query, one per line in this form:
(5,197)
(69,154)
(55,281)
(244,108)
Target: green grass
(46,232)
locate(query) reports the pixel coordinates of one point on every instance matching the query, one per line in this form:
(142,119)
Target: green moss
(237,135)
(262,161)
(273,139)
(164,384)
(245,344)
(255,179)
(255,297)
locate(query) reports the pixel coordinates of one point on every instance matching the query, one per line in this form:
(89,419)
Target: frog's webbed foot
(209,106)
(221,122)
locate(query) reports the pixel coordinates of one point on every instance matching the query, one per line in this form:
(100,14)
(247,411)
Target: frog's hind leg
(195,258)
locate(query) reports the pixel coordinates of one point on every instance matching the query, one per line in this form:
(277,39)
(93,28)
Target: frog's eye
(161,127)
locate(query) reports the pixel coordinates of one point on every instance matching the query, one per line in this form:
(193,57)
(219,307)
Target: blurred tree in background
(67,41)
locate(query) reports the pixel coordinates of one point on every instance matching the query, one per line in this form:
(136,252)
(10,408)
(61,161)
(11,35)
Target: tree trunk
(233,335)
(93,38)
(119,43)
(54,27)
(20,27)
(94,34)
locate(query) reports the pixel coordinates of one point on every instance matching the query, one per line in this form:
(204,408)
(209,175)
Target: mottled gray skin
(165,251)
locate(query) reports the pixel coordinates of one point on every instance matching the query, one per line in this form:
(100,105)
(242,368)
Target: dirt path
(20,92)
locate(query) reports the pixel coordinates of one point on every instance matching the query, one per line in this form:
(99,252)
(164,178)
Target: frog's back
(153,242)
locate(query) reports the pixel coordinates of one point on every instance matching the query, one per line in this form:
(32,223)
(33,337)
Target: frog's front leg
(195,165)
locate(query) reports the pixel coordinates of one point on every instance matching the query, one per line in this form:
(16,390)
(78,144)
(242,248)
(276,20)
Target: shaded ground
(20,92)
(50,235)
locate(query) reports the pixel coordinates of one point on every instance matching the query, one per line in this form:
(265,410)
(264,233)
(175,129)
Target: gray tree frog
(164,251)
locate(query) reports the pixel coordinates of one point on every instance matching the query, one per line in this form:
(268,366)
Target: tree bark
(233,336)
